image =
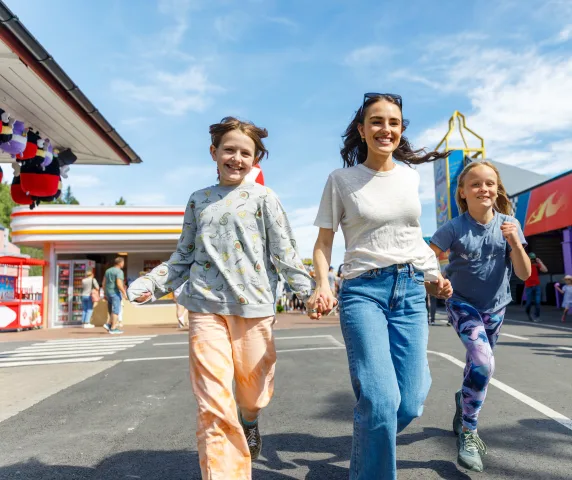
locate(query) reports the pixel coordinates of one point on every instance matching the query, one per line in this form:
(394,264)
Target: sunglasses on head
(397,98)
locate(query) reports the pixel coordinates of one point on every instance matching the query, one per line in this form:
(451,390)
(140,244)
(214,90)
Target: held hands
(321,303)
(143,298)
(140,291)
(440,288)
(510,233)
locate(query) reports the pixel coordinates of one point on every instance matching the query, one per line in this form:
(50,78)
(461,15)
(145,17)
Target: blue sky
(162,71)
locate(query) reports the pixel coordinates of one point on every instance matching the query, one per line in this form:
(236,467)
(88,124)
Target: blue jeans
(87,308)
(533,295)
(384,323)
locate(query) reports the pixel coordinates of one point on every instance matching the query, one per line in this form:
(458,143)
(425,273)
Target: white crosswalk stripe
(68,351)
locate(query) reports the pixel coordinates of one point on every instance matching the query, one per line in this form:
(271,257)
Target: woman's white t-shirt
(379,215)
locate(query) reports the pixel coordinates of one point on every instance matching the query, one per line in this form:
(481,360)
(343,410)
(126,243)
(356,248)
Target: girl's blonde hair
(502,204)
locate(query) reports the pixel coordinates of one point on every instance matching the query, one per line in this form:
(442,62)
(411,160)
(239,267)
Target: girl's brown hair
(228,124)
(354,150)
(502,203)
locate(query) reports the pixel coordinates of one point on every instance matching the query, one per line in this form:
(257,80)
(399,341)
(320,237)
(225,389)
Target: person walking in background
(388,268)
(114,290)
(485,242)
(566,290)
(89,294)
(533,289)
(236,241)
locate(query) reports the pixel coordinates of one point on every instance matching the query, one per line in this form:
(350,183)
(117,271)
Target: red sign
(550,207)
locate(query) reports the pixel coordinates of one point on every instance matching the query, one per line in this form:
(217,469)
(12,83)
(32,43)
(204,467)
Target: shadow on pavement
(286,452)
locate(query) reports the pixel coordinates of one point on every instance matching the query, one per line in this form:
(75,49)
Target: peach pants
(223,348)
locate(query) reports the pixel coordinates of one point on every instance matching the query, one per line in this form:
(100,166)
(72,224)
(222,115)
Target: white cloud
(168,41)
(284,21)
(79,181)
(170,93)
(232,26)
(367,56)
(519,99)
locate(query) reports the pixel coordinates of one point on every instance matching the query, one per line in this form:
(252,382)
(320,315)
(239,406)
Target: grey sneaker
(470,449)
(107,326)
(252,439)
(458,418)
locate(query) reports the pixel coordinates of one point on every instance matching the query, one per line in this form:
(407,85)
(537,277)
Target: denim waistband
(396,268)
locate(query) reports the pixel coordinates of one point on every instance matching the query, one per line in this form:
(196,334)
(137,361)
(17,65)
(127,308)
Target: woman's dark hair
(228,124)
(354,150)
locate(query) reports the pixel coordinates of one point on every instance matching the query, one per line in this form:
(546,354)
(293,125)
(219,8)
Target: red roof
(8,260)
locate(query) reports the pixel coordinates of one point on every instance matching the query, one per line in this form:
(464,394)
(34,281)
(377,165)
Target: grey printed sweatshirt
(235,242)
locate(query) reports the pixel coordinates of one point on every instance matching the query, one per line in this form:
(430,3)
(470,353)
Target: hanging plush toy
(38,200)
(39,183)
(38,160)
(66,157)
(6,133)
(16,192)
(18,142)
(49,155)
(31,146)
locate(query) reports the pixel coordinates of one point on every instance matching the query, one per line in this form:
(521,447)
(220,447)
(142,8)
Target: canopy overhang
(35,89)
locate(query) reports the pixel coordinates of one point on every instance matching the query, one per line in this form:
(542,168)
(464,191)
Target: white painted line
(70,348)
(565,348)
(117,341)
(107,335)
(514,336)
(329,337)
(277,351)
(531,402)
(310,349)
(303,337)
(154,358)
(336,342)
(53,356)
(541,325)
(99,351)
(50,362)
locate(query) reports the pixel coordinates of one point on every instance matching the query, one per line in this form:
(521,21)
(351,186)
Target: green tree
(121,201)
(68,197)
(6,206)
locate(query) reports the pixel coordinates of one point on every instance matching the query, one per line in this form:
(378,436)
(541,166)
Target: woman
(88,284)
(387,269)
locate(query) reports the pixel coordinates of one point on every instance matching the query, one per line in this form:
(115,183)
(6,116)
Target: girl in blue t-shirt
(485,243)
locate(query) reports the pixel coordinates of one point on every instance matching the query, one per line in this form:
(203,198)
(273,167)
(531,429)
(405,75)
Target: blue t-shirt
(479,260)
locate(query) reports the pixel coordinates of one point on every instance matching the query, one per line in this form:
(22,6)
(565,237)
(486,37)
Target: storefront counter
(148,314)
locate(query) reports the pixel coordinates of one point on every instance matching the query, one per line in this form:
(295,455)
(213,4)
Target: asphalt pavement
(128,412)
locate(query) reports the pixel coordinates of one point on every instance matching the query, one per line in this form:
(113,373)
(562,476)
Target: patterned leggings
(479,333)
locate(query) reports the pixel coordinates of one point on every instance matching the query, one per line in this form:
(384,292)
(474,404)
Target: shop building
(75,238)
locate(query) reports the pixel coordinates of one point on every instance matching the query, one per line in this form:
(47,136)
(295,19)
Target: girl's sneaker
(470,449)
(252,438)
(107,326)
(116,331)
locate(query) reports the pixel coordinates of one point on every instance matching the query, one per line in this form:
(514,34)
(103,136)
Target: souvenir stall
(18,309)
